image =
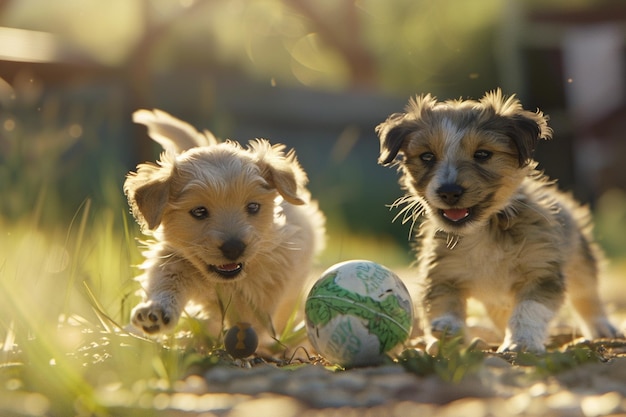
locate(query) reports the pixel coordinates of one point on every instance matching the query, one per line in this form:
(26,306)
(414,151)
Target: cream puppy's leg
(165,299)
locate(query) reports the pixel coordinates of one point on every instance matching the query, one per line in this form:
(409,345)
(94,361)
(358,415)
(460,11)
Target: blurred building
(572,64)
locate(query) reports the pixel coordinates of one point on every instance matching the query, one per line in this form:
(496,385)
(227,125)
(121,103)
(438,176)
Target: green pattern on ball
(387,319)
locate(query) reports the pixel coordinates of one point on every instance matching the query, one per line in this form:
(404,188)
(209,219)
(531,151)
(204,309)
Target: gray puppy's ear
(523,127)
(391,134)
(148,191)
(526,129)
(281,170)
(394,131)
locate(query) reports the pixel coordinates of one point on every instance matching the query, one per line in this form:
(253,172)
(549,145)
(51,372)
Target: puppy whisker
(288,245)
(413,209)
(452,240)
(169,259)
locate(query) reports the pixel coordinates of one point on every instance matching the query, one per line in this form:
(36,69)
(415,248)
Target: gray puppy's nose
(450,193)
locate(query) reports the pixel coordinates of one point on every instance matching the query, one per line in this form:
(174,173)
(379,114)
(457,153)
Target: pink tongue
(456,214)
(228,267)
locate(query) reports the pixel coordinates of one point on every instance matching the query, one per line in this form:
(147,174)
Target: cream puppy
(233,229)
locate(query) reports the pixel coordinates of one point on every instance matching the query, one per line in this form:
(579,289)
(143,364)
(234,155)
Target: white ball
(356,312)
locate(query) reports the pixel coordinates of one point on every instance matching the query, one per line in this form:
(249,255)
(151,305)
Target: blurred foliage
(52,153)
(453,361)
(425,45)
(397,48)
(330,44)
(558,361)
(610,222)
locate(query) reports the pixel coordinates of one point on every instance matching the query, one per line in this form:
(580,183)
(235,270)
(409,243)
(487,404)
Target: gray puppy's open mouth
(227,270)
(456,216)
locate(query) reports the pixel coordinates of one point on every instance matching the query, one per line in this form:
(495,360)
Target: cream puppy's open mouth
(227,270)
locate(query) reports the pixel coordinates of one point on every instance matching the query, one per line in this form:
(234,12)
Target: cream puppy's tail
(172,134)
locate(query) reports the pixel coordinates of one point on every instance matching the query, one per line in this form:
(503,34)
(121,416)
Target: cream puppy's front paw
(154,317)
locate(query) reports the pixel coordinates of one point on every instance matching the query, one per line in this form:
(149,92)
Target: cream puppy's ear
(148,191)
(281,170)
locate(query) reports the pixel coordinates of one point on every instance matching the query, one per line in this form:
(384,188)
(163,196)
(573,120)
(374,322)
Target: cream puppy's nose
(232,249)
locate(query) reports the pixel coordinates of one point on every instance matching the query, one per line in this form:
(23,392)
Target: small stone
(519,403)
(350,381)
(564,402)
(268,406)
(301,388)
(250,385)
(329,398)
(394,382)
(192,384)
(466,407)
(601,405)
(220,375)
(371,397)
(496,362)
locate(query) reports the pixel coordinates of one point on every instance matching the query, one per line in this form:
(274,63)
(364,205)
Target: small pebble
(600,405)
(496,362)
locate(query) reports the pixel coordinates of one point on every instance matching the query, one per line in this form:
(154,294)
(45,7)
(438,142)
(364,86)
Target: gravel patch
(498,388)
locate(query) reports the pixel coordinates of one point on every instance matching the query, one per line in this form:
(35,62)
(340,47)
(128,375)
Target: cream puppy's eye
(199,213)
(253,208)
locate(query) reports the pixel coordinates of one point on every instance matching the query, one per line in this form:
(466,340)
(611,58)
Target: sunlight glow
(28,45)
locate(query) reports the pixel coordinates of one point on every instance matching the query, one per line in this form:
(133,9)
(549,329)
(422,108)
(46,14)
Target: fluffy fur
(494,227)
(233,228)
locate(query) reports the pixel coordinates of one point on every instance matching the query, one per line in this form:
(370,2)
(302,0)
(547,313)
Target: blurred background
(317,75)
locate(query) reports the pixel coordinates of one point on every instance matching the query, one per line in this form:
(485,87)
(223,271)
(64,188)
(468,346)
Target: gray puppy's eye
(481,155)
(428,157)
(199,213)
(253,208)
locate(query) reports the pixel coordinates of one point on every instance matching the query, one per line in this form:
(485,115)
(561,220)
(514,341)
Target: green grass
(66,296)
(453,362)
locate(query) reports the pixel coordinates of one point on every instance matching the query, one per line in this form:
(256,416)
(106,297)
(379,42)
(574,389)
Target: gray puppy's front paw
(447,326)
(602,327)
(535,348)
